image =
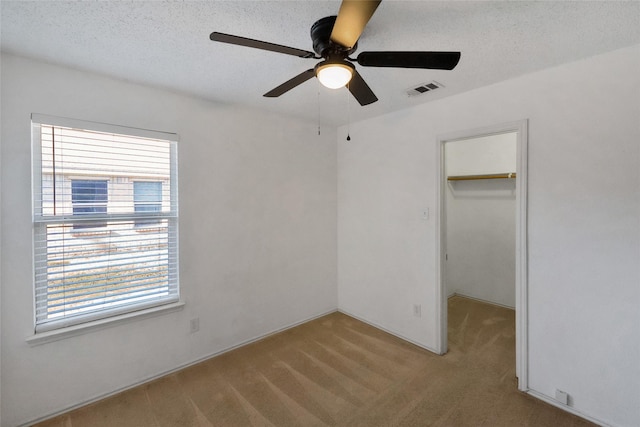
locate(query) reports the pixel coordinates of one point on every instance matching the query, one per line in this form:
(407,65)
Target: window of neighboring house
(89,197)
(95,185)
(147,198)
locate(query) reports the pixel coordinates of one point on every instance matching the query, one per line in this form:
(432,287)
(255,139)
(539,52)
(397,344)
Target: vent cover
(424,88)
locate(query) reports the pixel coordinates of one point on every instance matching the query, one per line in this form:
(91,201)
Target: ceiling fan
(334,39)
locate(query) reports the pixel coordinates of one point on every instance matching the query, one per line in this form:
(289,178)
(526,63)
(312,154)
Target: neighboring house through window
(147,198)
(89,197)
(105,220)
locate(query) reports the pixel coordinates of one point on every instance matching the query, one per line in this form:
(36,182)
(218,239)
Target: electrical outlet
(417,310)
(195,325)
(562,397)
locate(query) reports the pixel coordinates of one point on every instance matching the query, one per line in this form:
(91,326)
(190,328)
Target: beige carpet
(338,371)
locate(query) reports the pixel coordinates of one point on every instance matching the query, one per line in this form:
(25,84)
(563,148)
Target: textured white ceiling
(166,44)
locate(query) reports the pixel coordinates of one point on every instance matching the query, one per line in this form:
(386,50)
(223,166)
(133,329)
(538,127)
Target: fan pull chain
(318,108)
(349,112)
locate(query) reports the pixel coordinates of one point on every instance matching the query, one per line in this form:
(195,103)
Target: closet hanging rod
(488,176)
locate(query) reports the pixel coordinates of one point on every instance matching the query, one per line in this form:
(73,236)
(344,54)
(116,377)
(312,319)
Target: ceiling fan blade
(290,84)
(361,90)
(243,41)
(428,60)
(352,18)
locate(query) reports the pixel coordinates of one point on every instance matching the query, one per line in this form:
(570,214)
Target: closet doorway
(482,224)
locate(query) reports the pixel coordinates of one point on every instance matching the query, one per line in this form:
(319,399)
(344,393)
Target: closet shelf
(508,175)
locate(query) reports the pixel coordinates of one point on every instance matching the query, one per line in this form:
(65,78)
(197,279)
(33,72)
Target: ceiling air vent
(424,88)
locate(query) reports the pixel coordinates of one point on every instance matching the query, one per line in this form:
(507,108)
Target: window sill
(83,328)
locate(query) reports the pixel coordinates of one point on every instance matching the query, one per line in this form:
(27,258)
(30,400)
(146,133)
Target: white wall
(257,235)
(583,227)
(481,219)
(481,155)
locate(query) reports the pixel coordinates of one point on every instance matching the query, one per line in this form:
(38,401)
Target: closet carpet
(338,371)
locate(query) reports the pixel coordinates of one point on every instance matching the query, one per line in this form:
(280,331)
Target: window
(147,197)
(105,220)
(87,197)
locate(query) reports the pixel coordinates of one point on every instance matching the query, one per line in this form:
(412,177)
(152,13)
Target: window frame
(40,223)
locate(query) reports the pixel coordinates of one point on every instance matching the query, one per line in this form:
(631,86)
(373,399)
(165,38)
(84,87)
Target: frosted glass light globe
(334,76)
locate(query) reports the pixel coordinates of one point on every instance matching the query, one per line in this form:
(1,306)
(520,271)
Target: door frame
(521,129)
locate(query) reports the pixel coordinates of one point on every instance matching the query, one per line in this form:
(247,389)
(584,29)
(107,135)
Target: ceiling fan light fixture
(334,74)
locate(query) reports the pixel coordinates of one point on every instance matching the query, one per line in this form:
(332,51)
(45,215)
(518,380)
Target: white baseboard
(171,371)
(565,408)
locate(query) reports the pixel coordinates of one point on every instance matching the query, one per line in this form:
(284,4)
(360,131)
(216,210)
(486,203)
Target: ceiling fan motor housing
(321,37)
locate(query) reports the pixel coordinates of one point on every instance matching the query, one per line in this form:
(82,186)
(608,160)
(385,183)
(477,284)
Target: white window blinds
(105,220)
